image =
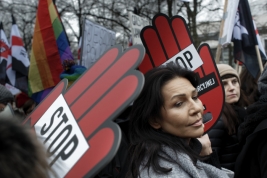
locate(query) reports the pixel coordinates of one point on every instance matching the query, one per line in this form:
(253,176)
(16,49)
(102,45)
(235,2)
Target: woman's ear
(155,124)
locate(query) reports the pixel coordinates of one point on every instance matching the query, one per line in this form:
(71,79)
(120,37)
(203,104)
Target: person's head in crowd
(5,97)
(249,85)
(231,83)
(235,100)
(21,154)
(25,103)
(168,112)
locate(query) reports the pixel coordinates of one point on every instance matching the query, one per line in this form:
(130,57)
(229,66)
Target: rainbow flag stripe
(49,48)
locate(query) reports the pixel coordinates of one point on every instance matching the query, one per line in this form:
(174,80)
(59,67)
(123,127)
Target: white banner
(96,39)
(136,25)
(229,22)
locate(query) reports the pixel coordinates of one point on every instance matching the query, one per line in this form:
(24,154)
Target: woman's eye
(195,97)
(234,82)
(178,104)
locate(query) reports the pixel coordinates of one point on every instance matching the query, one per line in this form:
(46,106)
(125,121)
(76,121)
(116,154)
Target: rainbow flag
(49,48)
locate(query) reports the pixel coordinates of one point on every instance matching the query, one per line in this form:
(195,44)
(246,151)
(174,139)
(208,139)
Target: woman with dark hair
(165,121)
(223,135)
(249,86)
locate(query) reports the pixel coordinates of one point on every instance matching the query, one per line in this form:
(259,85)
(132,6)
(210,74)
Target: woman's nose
(230,86)
(196,107)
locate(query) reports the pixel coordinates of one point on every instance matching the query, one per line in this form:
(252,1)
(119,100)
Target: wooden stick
(219,48)
(259,58)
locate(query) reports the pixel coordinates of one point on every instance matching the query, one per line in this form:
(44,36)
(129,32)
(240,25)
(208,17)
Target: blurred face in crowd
(232,90)
(4,104)
(182,110)
(30,109)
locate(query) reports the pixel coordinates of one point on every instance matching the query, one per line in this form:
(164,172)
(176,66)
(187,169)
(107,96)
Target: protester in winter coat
(5,97)
(165,121)
(25,103)
(252,161)
(223,135)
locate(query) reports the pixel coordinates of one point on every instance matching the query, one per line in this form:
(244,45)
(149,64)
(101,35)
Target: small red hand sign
(170,40)
(76,125)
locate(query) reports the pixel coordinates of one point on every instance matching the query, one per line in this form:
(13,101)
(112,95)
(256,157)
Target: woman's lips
(232,96)
(197,123)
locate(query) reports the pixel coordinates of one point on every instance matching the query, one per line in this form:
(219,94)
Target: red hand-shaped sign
(99,95)
(170,39)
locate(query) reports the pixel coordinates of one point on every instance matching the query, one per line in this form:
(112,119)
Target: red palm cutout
(99,95)
(166,38)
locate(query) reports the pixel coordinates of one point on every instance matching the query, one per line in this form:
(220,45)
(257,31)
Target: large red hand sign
(170,40)
(78,122)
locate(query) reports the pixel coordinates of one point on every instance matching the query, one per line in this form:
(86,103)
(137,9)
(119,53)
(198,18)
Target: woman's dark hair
(249,85)
(27,107)
(229,115)
(145,141)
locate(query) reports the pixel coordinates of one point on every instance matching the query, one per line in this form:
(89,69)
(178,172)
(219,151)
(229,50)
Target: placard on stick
(136,24)
(76,126)
(96,39)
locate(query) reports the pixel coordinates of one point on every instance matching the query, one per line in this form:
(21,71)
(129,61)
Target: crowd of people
(162,131)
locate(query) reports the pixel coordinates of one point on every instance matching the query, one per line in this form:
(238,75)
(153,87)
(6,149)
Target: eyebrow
(179,95)
(231,78)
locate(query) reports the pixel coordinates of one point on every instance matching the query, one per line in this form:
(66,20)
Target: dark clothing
(226,146)
(252,160)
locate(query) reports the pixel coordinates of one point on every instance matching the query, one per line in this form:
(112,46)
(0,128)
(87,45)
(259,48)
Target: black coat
(226,146)
(252,161)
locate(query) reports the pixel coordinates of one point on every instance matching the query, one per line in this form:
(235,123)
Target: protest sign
(96,39)
(76,126)
(136,25)
(170,40)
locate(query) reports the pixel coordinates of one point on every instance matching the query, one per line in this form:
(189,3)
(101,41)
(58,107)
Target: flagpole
(259,57)
(219,48)
(83,38)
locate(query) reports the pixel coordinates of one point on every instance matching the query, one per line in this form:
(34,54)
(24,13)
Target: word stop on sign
(187,58)
(62,137)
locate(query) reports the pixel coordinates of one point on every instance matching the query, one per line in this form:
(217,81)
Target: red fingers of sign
(112,101)
(181,32)
(103,83)
(96,98)
(166,38)
(91,157)
(77,89)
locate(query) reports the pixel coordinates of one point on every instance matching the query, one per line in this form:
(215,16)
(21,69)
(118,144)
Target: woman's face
(232,90)
(182,111)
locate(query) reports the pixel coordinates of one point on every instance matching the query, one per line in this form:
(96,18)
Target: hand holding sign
(169,40)
(90,104)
